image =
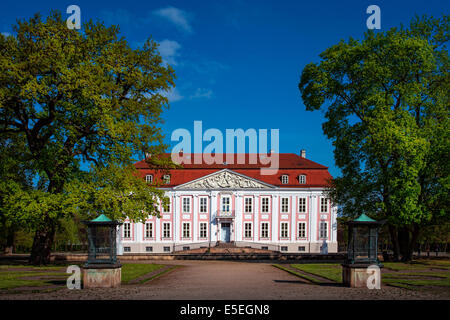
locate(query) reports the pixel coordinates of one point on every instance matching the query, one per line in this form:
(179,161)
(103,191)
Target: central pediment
(225,179)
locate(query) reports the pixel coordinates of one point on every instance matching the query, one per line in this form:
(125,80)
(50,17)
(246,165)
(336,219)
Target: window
(149,178)
(248,205)
(284,205)
(302,205)
(126,249)
(203,205)
(166,249)
(186,230)
(265,204)
(149,230)
(284,230)
(226,204)
(301,230)
(166,230)
(186,205)
(301,248)
(247,230)
(203,230)
(284,248)
(166,208)
(324,204)
(127,230)
(323,230)
(149,249)
(264,248)
(186,248)
(166,178)
(302,179)
(284,179)
(264,230)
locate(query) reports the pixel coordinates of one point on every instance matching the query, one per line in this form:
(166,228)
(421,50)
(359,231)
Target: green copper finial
(364,218)
(102,218)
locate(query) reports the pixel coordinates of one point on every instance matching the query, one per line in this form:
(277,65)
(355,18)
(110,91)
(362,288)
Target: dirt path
(203,280)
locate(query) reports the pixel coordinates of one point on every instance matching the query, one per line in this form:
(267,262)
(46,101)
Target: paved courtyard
(203,280)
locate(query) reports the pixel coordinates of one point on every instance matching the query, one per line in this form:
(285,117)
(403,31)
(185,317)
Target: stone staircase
(226,249)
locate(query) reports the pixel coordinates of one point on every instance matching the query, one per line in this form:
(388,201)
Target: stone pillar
(102,276)
(356,275)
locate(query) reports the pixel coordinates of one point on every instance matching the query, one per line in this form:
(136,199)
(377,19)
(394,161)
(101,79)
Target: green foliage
(71,97)
(386,101)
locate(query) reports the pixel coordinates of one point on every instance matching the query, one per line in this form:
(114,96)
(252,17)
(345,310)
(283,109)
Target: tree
(13,174)
(77,99)
(386,101)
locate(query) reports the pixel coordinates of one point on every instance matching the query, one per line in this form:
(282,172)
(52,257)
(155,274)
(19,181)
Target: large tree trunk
(42,243)
(10,236)
(395,243)
(408,238)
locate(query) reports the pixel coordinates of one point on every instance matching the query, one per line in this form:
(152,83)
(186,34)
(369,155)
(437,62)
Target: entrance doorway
(225,232)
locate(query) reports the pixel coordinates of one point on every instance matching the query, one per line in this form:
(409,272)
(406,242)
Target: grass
(14,279)
(133,271)
(330,271)
(416,275)
(298,274)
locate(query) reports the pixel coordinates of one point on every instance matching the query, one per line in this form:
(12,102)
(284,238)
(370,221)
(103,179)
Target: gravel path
(229,280)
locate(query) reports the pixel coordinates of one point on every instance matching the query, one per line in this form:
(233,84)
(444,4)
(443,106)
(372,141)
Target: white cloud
(6,34)
(202,93)
(173,95)
(178,17)
(169,51)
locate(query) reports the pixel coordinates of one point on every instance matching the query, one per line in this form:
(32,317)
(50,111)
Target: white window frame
(302,179)
(166,179)
(169,207)
(303,230)
(126,229)
(146,231)
(164,230)
(149,178)
(266,231)
(223,205)
(284,208)
(184,205)
(188,230)
(203,206)
(248,205)
(248,233)
(323,232)
(284,233)
(301,205)
(205,230)
(262,204)
(324,202)
(285,179)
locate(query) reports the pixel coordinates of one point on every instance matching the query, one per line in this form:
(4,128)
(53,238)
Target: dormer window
(166,178)
(302,179)
(284,179)
(149,178)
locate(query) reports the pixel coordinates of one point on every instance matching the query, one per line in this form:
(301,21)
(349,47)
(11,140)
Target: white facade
(226,206)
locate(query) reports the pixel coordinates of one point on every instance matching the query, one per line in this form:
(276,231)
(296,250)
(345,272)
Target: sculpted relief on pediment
(225,180)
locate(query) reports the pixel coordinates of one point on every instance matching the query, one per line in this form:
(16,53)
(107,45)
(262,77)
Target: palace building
(235,203)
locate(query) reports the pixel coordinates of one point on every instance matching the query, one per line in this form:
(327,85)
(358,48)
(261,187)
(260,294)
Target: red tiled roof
(291,164)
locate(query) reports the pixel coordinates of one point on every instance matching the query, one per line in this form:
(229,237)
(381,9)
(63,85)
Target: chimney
(303,153)
(148,155)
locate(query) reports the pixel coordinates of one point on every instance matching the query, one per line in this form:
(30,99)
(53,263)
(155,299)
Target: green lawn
(133,271)
(330,271)
(417,275)
(14,277)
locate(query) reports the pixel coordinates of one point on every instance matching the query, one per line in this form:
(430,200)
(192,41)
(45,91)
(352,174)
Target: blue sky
(238,62)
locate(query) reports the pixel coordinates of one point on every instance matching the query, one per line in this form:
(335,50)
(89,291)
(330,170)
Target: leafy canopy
(386,102)
(74,99)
